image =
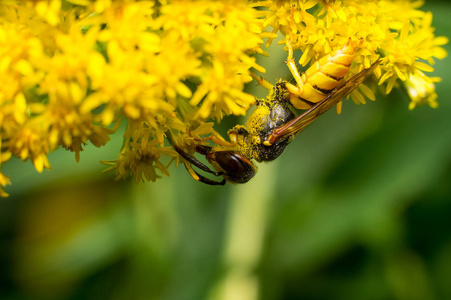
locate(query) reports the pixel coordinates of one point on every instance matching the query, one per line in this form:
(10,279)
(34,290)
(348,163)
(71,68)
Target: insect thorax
(270,113)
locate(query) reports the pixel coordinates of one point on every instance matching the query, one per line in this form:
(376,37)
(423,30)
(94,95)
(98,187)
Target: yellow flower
(415,41)
(4,181)
(396,31)
(421,90)
(73,70)
(141,159)
(48,10)
(30,143)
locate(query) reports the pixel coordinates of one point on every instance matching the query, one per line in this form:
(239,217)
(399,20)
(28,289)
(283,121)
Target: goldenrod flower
(142,158)
(421,90)
(72,70)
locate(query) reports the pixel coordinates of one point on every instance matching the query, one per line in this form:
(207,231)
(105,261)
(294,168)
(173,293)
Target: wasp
(273,124)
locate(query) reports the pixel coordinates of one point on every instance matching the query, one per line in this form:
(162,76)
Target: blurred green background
(357,207)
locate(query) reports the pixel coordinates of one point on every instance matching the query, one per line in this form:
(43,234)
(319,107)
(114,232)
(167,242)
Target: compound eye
(232,163)
(237,167)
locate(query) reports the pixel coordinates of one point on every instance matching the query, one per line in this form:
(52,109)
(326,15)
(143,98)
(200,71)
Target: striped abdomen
(322,77)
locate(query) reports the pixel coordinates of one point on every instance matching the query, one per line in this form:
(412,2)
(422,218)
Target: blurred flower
(73,70)
(421,90)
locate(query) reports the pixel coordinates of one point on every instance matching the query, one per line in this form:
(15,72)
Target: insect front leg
(191,160)
(217,140)
(261,81)
(198,177)
(299,87)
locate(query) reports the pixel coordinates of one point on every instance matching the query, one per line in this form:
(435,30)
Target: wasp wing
(301,122)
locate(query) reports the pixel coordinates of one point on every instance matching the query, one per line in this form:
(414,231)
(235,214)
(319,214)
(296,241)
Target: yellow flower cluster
(73,70)
(395,31)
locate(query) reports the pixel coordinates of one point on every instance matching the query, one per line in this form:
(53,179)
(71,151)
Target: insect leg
(200,178)
(261,81)
(298,89)
(196,162)
(190,160)
(209,181)
(294,71)
(217,140)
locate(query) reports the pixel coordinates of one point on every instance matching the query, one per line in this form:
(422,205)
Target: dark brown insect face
(235,167)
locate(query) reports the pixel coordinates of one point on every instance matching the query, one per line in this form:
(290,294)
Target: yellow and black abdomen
(322,77)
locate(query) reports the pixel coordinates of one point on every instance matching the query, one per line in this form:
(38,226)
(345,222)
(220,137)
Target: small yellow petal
(38,163)
(24,67)
(132,111)
(183,90)
(367,92)
(423,66)
(399,73)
